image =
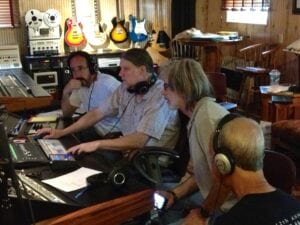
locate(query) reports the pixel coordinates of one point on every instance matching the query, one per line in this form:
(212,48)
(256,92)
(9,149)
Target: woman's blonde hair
(187,78)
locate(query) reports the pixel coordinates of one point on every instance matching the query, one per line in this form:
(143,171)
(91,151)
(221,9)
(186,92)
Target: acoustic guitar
(74,36)
(118,33)
(97,36)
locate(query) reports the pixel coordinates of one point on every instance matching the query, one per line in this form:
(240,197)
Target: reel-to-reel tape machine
(44,31)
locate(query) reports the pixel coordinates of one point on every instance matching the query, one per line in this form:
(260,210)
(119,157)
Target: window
(246,11)
(9,13)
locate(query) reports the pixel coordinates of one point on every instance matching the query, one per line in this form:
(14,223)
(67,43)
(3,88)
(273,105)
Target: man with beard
(86,90)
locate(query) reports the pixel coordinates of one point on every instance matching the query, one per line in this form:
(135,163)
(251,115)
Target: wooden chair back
(251,54)
(183,50)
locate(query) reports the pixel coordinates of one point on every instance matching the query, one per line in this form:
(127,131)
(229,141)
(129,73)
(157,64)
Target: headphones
(223,158)
(142,87)
(117,176)
(91,61)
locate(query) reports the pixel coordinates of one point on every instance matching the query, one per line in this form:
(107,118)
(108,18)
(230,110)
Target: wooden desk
(24,94)
(111,212)
(212,50)
(279,111)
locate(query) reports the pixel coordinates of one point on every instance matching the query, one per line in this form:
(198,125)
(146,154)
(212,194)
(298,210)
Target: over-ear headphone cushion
(142,87)
(223,158)
(224,162)
(93,66)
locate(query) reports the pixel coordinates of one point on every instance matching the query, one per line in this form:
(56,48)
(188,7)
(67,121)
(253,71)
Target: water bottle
(274,77)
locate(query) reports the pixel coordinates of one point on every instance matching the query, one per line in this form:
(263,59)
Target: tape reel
(33,19)
(52,18)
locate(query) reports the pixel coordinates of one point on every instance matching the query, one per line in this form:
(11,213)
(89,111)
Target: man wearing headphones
(86,90)
(144,115)
(188,89)
(239,147)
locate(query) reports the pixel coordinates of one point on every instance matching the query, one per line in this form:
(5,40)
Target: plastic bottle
(274,77)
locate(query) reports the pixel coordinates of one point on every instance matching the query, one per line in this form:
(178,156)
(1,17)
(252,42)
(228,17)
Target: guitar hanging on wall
(118,34)
(97,37)
(74,36)
(137,30)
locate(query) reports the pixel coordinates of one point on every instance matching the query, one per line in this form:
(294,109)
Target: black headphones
(223,158)
(91,61)
(117,176)
(143,87)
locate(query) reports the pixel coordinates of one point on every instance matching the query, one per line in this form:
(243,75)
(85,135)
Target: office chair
(147,160)
(279,170)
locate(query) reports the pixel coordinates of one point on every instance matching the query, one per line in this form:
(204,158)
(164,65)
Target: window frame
(9,14)
(259,7)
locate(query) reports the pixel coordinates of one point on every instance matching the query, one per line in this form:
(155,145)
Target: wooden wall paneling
(201,15)
(209,18)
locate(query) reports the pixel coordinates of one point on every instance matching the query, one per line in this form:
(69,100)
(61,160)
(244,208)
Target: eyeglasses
(166,86)
(78,69)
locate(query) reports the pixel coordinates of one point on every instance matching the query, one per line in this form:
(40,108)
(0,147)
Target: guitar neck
(97,11)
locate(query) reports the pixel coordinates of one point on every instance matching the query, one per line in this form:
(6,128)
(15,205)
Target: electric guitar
(118,34)
(97,37)
(74,36)
(137,31)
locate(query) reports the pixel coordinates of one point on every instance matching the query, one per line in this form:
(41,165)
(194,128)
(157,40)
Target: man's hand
(168,196)
(84,147)
(73,84)
(194,217)
(49,133)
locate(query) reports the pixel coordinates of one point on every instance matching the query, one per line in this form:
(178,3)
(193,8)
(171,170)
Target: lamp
(163,39)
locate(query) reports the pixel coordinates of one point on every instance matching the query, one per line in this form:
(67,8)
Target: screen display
(159,201)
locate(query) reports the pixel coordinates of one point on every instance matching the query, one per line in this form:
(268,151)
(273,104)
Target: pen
(81,192)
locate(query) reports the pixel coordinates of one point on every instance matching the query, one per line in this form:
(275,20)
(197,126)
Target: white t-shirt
(88,98)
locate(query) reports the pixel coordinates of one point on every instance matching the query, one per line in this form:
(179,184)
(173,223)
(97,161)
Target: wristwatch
(204,212)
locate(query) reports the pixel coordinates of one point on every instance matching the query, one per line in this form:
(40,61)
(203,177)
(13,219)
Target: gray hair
(245,139)
(187,78)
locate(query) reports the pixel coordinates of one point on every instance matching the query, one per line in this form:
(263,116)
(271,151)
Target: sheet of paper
(72,181)
(277,88)
(39,119)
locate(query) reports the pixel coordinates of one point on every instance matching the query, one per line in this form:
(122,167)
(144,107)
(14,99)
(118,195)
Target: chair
(279,170)
(285,137)
(258,61)
(219,84)
(148,162)
(180,50)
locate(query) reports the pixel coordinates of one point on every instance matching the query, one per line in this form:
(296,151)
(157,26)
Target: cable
(89,103)
(119,118)
(213,217)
